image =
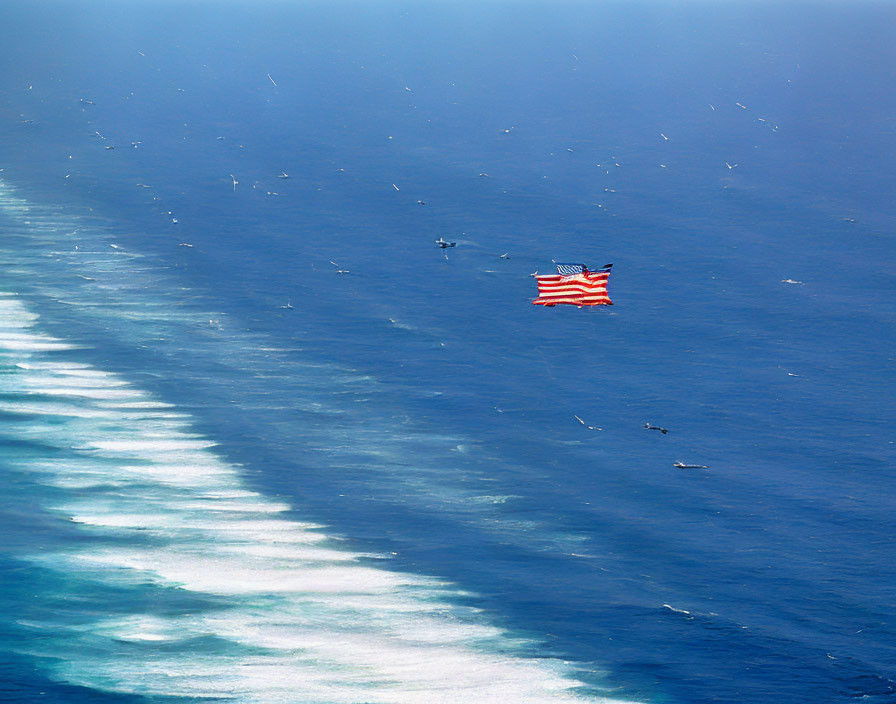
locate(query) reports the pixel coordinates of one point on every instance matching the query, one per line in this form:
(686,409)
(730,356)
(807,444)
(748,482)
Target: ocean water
(234,474)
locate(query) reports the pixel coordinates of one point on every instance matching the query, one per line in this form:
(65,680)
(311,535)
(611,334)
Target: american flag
(575,285)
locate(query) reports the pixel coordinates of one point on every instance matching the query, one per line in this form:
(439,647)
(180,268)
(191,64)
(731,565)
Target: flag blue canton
(570,269)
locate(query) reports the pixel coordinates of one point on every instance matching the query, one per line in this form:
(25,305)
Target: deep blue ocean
(232,473)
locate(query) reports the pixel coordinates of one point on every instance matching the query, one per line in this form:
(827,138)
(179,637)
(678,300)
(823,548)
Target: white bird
(233,178)
(741,105)
(712,106)
(272,80)
(664,136)
(790,281)
(395,187)
(590,427)
(339,269)
(730,166)
(506,255)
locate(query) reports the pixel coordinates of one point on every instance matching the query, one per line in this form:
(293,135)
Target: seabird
(664,136)
(283,174)
(339,270)
(441,242)
(506,255)
(648,426)
(730,166)
(790,281)
(682,465)
(590,427)
(110,147)
(272,80)
(421,202)
(233,178)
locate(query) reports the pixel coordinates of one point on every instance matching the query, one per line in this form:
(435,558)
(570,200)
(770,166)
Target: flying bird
(590,427)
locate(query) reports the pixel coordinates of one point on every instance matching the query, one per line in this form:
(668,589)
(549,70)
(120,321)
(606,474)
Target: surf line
(281,614)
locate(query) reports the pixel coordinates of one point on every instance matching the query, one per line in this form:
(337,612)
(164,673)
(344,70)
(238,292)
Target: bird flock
(612,164)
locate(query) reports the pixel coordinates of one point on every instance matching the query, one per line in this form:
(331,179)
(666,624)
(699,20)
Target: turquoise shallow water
(382,493)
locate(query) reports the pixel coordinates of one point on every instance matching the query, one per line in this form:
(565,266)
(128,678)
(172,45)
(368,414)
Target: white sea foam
(305,619)
(17,342)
